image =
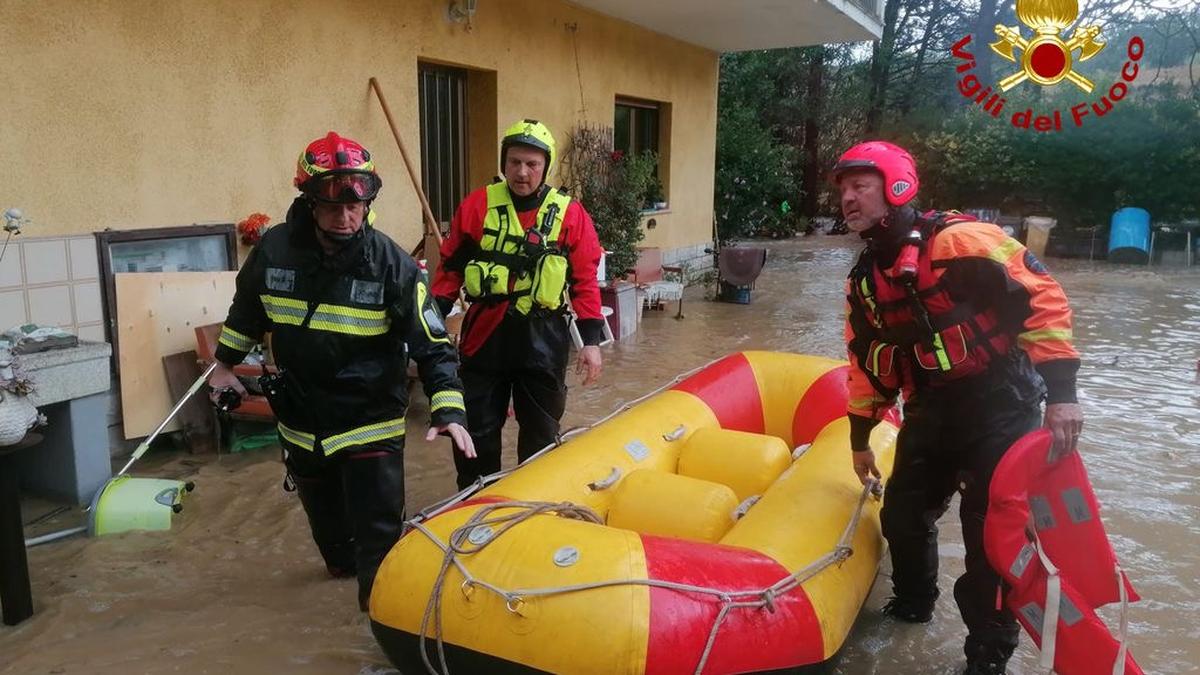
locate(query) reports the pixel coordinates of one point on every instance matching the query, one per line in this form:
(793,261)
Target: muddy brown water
(237,586)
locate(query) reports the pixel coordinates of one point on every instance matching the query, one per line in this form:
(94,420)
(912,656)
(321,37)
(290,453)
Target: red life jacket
(1043,535)
(944,339)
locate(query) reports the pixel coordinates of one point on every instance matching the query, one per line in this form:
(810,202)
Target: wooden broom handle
(431,225)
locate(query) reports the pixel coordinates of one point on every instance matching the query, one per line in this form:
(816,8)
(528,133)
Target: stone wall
(694,259)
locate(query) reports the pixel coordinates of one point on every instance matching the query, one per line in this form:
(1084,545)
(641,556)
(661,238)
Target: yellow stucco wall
(131,114)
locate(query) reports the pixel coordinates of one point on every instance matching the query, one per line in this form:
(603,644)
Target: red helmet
(892,161)
(337,169)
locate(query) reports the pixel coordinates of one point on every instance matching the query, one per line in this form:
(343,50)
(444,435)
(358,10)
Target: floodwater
(237,586)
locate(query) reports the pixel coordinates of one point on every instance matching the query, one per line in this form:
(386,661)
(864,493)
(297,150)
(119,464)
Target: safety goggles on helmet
(342,187)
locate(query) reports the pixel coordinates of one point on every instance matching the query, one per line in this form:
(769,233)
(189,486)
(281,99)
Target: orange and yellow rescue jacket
(978,294)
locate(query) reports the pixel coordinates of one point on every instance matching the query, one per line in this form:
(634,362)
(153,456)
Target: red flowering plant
(251,229)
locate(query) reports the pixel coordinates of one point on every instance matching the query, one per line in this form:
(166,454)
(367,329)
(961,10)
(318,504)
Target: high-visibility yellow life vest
(526,268)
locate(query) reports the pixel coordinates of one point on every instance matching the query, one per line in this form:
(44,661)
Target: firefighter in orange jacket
(972,330)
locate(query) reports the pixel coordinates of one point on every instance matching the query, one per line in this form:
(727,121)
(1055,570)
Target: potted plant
(656,198)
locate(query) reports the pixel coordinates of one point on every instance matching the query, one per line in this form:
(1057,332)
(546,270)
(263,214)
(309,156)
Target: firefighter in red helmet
(969,327)
(346,309)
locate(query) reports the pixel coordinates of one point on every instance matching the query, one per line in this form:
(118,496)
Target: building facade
(140,114)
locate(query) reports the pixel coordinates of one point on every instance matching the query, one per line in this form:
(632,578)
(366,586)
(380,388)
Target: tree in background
(755,154)
(784,115)
(810,168)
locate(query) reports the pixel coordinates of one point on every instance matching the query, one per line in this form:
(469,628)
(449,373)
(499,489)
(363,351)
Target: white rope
(1050,614)
(1119,664)
(461,545)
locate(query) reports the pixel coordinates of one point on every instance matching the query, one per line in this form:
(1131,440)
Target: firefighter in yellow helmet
(518,248)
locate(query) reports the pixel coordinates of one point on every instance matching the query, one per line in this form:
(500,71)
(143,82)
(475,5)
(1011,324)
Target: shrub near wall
(614,189)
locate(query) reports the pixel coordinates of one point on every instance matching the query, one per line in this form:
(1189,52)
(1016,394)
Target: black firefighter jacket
(343,328)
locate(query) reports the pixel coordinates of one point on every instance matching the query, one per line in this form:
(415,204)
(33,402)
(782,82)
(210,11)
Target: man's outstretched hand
(589,365)
(458,434)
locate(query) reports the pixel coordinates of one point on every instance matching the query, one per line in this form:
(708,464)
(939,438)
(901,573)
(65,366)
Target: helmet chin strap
(339,237)
(894,224)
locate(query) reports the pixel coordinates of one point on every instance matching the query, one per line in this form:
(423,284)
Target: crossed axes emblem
(1046,58)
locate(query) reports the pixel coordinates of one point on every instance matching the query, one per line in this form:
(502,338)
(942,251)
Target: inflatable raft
(714,527)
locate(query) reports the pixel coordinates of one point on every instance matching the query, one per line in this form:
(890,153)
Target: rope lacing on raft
(462,544)
(483,481)
(756,598)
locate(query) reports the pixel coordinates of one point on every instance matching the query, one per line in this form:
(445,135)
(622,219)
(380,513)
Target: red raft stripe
(750,640)
(729,388)
(474,501)
(824,402)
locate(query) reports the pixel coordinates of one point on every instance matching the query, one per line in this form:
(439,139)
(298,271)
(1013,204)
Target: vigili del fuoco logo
(1046,59)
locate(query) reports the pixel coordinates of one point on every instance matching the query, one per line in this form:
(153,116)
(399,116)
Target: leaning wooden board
(157,313)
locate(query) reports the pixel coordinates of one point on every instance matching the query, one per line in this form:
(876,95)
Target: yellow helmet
(532,133)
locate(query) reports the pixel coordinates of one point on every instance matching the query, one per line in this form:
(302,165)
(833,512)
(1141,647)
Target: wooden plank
(196,417)
(157,313)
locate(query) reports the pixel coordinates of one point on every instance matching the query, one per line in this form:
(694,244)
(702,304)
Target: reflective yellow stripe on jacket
(371,433)
(333,318)
(1045,334)
(235,340)
(446,399)
(300,438)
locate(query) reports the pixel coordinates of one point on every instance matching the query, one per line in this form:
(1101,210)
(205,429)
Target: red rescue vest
(942,338)
(1043,535)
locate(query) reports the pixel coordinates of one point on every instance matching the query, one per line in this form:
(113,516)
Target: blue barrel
(1129,236)
(738,295)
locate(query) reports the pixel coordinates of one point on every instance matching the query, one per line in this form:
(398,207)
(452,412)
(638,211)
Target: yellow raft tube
(716,527)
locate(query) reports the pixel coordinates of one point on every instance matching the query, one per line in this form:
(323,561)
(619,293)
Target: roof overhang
(740,25)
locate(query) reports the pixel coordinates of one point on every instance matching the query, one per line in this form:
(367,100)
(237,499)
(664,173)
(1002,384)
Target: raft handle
(744,507)
(675,435)
(514,604)
(606,482)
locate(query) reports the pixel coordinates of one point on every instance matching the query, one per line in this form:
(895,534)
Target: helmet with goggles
(335,169)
